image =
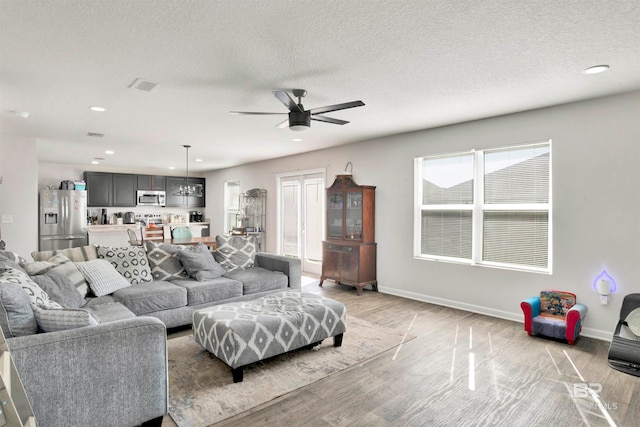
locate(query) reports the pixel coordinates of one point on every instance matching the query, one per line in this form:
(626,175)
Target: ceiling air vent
(95,134)
(142,84)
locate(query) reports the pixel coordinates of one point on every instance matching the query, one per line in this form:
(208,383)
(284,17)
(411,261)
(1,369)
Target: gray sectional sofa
(103,359)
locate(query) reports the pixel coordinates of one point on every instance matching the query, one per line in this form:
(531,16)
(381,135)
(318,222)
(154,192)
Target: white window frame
(478,207)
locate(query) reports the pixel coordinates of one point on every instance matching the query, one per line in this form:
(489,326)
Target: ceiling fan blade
(252,113)
(288,102)
(284,124)
(336,107)
(329,120)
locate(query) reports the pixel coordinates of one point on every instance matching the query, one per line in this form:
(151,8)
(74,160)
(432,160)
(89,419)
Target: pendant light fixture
(187,189)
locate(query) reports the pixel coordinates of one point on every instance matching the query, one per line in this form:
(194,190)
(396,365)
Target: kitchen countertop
(105,228)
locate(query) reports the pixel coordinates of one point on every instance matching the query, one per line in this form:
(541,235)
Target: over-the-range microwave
(151,198)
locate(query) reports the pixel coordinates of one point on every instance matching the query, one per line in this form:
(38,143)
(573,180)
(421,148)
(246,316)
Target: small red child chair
(554,314)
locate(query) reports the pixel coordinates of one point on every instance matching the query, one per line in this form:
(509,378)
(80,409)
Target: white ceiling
(416,64)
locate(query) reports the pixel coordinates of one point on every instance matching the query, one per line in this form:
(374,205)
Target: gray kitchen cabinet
(110,189)
(151,182)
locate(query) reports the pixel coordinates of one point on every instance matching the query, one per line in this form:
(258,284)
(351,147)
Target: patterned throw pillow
(235,252)
(164,262)
(60,264)
(102,277)
(13,257)
(130,261)
(51,318)
(36,295)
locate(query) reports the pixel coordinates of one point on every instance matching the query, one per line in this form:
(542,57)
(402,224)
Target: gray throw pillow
(51,318)
(13,257)
(16,315)
(200,264)
(102,277)
(60,289)
(60,264)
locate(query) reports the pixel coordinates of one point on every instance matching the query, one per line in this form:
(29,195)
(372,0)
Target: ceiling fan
(299,118)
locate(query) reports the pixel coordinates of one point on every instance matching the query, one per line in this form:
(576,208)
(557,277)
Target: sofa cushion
(151,296)
(102,277)
(164,262)
(235,252)
(16,315)
(60,264)
(130,261)
(59,288)
(200,264)
(258,279)
(79,254)
(51,318)
(213,290)
(110,311)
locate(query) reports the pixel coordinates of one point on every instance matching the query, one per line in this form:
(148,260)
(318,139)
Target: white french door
(301,217)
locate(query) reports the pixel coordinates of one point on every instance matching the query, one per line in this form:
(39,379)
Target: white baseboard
(515,317)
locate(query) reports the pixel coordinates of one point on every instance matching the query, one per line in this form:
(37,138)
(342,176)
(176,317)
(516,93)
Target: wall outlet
(7,219)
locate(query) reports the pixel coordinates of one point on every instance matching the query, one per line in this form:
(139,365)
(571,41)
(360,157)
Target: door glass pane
(290,220)
(334,216)
(231,204)
(314,191)
(354,215)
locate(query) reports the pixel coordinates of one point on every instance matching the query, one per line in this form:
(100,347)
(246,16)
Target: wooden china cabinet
(349,252)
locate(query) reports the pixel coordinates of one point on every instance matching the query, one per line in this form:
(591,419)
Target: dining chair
(152,233)
(133,238)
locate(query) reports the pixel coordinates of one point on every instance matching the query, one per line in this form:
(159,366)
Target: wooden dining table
(209,241)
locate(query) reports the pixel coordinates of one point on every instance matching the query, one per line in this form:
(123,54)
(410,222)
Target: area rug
(201,388)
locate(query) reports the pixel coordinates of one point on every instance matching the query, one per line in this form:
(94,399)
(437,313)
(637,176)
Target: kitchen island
(116,235)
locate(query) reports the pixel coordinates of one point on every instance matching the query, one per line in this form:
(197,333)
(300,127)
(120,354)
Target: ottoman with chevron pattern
(242,333)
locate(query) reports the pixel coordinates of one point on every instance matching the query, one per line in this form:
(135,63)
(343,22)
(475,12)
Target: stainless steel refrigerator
(63,216)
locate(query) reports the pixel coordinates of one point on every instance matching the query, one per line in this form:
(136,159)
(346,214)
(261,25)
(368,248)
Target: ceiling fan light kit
(299,118)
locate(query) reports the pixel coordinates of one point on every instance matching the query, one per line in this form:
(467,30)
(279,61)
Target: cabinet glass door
(354,216)
(334,216)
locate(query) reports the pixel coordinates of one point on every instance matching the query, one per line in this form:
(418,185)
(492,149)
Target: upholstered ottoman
(241,333)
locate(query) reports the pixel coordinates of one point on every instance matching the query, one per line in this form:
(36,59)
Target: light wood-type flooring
(462,369)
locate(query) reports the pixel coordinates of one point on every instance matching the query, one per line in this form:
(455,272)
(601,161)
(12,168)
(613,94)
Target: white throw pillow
(102,276)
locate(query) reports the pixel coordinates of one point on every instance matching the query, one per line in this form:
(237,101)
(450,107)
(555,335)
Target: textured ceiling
(416,64)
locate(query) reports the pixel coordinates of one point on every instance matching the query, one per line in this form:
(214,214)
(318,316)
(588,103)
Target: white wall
(596,200)
(596,185)
(19,193)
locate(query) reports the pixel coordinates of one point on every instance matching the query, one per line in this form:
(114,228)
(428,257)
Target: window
(486,207)
(231,204)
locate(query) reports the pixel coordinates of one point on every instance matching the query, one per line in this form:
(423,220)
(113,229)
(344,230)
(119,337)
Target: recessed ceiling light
(198,160)
(172,167)
(98,109)
(95,162)
(297,139)
(109,152)
(596,69)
